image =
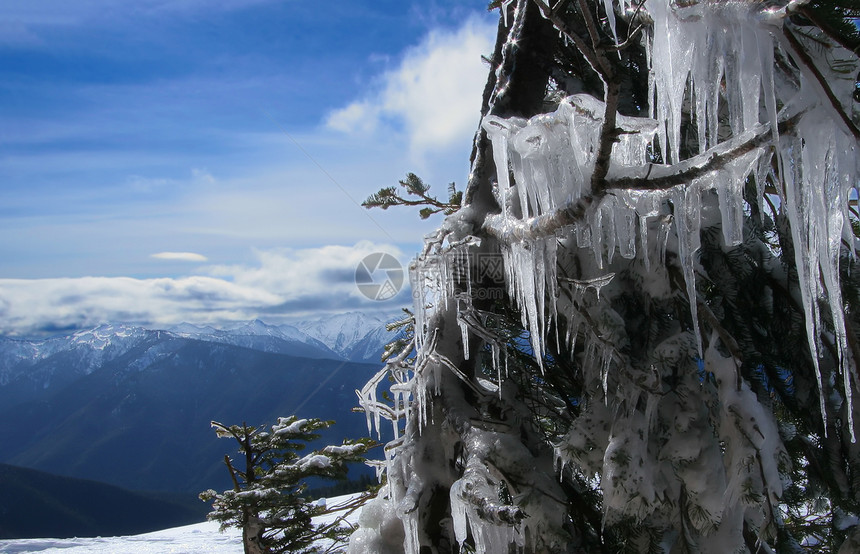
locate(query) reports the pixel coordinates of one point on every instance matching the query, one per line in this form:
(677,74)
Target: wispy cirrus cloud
(179,256)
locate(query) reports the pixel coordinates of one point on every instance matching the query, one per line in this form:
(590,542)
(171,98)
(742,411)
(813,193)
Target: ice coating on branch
(551,156)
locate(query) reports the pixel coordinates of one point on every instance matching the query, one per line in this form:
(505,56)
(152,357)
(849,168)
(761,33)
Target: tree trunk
(252,535)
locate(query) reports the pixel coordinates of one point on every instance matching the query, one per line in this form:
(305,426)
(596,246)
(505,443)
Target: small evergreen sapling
(266,500)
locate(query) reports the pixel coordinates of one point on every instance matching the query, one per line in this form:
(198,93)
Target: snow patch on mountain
(258,335)
(90,349)
(353,335)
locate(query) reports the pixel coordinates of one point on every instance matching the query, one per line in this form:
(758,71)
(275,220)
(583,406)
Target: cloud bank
(282,285)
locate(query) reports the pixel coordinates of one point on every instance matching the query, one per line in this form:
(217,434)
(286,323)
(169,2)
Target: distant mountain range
(131,406)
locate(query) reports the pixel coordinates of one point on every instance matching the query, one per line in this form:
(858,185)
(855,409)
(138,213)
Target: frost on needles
(668,360)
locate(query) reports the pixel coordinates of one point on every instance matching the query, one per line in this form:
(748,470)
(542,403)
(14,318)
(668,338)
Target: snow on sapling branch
(414,186)
(266,500)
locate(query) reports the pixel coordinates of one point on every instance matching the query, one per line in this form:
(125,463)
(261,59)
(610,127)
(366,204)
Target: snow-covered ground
(200,538)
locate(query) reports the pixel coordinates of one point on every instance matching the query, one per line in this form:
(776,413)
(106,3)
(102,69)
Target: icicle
(545,155)
(504,8)
(497,366)
(730,186)
(806,258)
(647,205)
(688,222)
(610,15)
(625,227)
(532,144)
(604,372)
(499,132)
(674,50)
(458,515)
(750,74)
(699,50)
(583,236)
(609,207)
(596,225)
(464,332)
(769,92)
(836,188)
(663,238)
(761,172)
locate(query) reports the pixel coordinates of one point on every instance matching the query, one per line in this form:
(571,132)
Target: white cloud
(295,275)
(359,117)
(180,256)
(434,94)
(282,284)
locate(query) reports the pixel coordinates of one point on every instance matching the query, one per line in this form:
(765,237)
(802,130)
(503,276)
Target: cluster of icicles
(693,52)
(710,56)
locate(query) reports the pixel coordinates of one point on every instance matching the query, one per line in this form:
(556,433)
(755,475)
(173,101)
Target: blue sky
(202,160)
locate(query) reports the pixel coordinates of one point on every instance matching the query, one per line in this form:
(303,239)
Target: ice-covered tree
(266,500)
(639,331)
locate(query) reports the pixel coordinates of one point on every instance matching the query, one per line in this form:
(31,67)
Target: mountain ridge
(131,406)
(37,504)
(349,336)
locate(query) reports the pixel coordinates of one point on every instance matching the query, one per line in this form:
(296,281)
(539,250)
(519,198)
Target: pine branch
(585,12)
(807,62)
(414,186)
(232,471)
(847,36)
(586,51)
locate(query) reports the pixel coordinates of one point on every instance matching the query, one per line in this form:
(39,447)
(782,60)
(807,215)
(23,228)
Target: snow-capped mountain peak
(256,328)
(104,335)
(341,332)
(355,336)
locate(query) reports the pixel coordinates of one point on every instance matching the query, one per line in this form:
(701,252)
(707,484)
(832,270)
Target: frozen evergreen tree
(266,501)
(639,331)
